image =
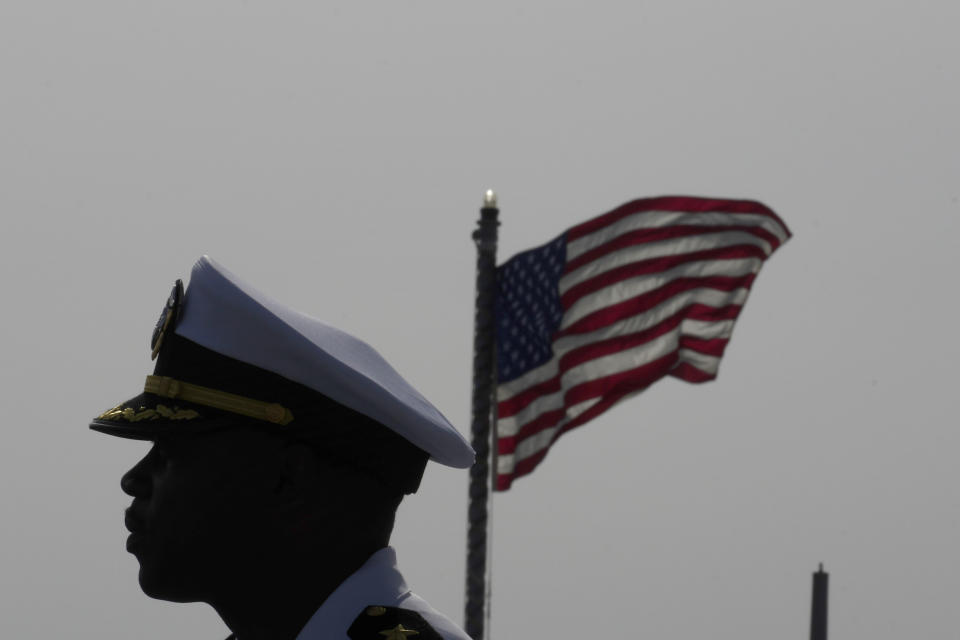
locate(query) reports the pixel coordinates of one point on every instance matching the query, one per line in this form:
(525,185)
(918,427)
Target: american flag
(610,306)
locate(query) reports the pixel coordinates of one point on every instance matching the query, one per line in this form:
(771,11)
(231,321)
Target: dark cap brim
(148,416)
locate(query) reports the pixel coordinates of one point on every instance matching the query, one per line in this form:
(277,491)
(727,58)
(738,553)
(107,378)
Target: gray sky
(335,154)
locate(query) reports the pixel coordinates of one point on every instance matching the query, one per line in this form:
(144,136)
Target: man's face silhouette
(199,507)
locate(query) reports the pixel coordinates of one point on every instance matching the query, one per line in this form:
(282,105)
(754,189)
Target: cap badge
(168,318)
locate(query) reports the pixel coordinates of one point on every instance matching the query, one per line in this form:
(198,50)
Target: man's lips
(132,521)
(136,526)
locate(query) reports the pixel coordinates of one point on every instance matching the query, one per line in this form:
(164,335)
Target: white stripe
(655,219)
(707,330)
(672,247)
(574,412)
(705,363)
(505,464)
(632,287)
(633,324)
(535,443)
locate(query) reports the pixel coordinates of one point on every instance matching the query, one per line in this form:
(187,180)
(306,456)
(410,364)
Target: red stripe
(646,236)
(655,266)
(508,444)
(639,304)
(689,373)
(518,402)
(707,313)
(673,203)
(712,347)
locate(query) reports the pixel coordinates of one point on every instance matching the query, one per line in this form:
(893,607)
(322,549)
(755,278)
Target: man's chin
(160,581)
(160,589)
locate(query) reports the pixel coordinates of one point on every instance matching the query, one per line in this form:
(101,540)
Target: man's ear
(300,475)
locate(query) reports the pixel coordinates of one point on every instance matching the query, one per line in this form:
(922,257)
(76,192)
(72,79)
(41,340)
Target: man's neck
(273,602)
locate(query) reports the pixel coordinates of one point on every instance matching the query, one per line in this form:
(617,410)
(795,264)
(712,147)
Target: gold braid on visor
(171,388)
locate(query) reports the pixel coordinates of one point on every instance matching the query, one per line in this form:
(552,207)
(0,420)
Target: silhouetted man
(281,450)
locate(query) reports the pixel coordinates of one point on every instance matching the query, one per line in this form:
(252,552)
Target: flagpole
(818,611)
(485,237)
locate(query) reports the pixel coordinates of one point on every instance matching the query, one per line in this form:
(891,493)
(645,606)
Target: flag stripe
(610,314)
(689,373)
(578,287)
(577,246)
(649,371)
(713,347)
(662,207)
(610,287)
(548,420)
(665,241)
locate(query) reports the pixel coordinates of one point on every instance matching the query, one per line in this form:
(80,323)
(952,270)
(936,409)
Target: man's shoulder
(379,622)
(447,629)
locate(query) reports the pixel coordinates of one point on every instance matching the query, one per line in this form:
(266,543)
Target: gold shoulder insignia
(378,622)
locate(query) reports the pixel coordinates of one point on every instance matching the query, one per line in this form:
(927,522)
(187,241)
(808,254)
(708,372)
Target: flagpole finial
(489,199)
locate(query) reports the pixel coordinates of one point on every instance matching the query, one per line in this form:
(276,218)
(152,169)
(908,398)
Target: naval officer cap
(229,355)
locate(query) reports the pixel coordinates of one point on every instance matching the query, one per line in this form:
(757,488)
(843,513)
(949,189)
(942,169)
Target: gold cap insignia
(168,318)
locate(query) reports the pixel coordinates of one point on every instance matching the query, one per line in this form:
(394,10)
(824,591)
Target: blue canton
(528,310)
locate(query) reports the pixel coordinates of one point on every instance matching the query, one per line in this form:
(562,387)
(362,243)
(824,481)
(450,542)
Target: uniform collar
(376,582)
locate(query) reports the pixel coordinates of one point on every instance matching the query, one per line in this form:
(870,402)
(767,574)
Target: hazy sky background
(335,154)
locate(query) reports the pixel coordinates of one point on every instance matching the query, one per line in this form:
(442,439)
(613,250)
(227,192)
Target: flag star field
(528,308)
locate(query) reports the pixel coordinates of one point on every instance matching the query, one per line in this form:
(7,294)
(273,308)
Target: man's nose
(136,481)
